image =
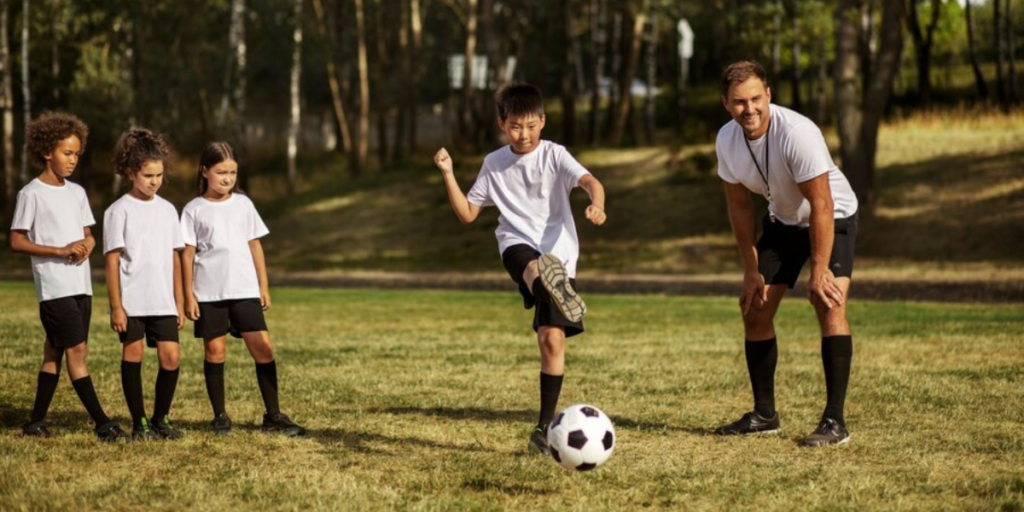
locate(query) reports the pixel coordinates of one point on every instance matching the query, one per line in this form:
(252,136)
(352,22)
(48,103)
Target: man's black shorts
(782,250)
(516,258)
(66,320)
(235,316)
(154,328)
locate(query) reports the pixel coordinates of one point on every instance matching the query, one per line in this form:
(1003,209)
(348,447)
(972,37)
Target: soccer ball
(581,437)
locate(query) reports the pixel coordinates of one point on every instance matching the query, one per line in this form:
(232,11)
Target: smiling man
(812,214)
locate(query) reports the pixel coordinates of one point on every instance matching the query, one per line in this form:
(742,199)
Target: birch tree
(979,79)
(26,91)
(335,86)
(294,89)
(7,105)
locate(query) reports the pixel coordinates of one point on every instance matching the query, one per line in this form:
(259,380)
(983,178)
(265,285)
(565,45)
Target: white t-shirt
(55,217)
(532,193)
(796,153)
(148,233)
(221,232)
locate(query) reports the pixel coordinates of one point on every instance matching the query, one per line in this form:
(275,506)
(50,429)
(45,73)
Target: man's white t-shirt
(797,153)
(55,216)
(532,193)
(148,233)
(221,232)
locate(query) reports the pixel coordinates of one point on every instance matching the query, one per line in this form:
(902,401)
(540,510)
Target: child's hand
(74,252)
(192,309)
(118,320)
(181,318)
(265,299)
(443,161)
(596,215)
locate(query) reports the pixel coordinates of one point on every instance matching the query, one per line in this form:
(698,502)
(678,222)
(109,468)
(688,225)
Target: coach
(812,213)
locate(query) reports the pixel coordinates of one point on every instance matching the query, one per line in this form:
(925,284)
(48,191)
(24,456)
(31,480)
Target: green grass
(424,400)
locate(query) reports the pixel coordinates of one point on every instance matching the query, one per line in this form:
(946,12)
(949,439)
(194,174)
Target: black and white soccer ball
(581,437)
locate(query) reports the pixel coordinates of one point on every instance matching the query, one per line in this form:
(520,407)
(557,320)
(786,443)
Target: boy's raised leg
(555,279)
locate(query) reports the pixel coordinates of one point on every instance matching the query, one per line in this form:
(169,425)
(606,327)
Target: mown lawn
(423,401)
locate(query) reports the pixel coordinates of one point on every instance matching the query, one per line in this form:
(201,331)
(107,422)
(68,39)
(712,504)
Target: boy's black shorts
(66,320)
(234,316)
(782,250)
(154,328)
(516,258)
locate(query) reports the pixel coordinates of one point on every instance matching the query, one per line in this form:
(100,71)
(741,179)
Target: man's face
(523,132)
(747,103)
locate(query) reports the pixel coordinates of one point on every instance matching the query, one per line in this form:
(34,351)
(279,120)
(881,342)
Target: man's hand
(596,215)
(753,293)
(118,320)
(823,289)
(443,161)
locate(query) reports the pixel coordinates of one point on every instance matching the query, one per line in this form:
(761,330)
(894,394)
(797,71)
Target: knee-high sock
(46,386)
(166,383)
(214,373)
(131,382)
(836,356)
(87,394)
(266,376)
(550,389)
(762,357)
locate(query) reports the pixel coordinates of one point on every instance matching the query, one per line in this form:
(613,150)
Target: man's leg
(836,358)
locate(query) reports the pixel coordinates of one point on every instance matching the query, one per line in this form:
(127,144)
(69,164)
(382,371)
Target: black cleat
(142,431)
(750,423)
(539,441)
(280,423)
(829,432)
(221,424)
(35,429)
(555,279)
(165,428)
(111,432)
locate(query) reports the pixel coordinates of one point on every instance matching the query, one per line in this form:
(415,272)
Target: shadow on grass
(14,417)
(462,413)
(360,442)
(647,426)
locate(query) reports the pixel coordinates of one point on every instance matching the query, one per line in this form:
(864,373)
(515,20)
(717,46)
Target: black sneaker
(750,423)
(35,429)
(278,422)
(829,432)
(111,432)
(555,279)
(221,424)
(165,428)
(539,441)
(142,431)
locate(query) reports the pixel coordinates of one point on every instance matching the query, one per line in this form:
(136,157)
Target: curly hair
(48,130)
(135,148)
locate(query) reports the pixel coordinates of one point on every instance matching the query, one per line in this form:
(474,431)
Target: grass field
(424,400)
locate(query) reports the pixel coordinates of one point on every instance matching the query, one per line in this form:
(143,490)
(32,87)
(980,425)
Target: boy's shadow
(362,442)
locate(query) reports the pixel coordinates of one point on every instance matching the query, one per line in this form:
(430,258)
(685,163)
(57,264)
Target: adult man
(780,154)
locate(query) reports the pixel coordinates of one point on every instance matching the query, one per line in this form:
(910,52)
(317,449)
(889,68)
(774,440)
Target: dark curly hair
(48,130)
(135,148)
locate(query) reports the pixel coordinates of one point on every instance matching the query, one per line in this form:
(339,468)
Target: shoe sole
(555,280)
(755,433)
(837,443)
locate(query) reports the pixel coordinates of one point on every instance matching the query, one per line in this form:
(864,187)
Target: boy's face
(64,157)
(221,177)
(148,180)
(523,132)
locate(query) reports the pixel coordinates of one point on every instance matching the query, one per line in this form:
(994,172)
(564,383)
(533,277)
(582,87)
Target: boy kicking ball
(529,180)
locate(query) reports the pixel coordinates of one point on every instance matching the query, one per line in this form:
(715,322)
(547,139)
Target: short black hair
(48,130)
(739,72)
(519,100)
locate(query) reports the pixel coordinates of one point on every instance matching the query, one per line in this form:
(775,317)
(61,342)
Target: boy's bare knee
(169,359)
(132,352)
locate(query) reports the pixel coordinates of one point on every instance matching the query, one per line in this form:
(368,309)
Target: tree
(416,26)
(7,105)
(923,45)
(860,112)
(1014,96)
(363,126)
(979,80)
(652,71)
(794,16)
(26,91)
(626,78)
(997,31)
(466,107)
(296,101)
(597,50)
(568,95)
(332,79)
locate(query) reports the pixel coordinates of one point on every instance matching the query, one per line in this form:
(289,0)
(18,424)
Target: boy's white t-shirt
(55,216)
(797,153)
(148,233)
(221,232)
(532,193)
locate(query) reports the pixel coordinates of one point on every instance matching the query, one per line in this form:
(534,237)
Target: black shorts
(545,313)
(782,250)
(154,328)
(235,316)
(66,320)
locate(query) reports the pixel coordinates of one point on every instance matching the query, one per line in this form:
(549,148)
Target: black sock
(266,376)
(131,382)
(762,356)
(87,394)
(214,373)
(550,389)
(46,386)
(836,356)
(166,383)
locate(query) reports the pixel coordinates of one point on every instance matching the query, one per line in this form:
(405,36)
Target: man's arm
(741,218)
(595,212)
(466,212)
(822,285)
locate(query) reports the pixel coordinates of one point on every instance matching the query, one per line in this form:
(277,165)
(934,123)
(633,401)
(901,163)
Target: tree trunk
(469,52)
(296,104)
(1012,57)
(616,69)
(776,42)
(487,129)
(568,96)
(979,79)
(405,65)
(997,31)
(923,47)
(795,78)
(860,114)
(26,91)
(56,23)
(363,127)
(652,72)
(626,79)
(7,105)
(417,38)
(597,38)
(382,96)
(821,108)
(336,97)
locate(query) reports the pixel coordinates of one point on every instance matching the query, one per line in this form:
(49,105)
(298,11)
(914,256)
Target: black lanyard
(766,173)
